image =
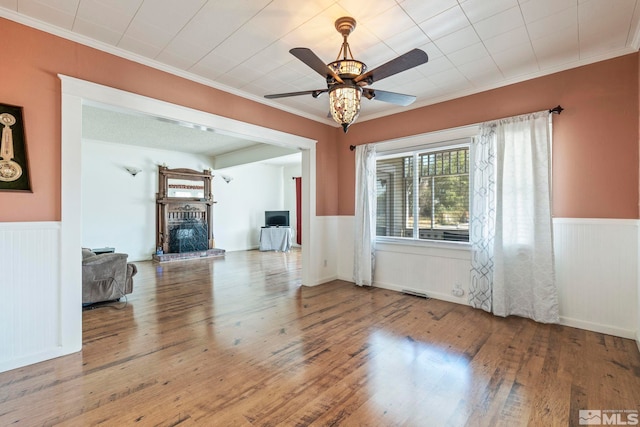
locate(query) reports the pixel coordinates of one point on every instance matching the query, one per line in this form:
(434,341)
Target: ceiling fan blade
(311,59)
(391,97)
(411,59)
(315,93)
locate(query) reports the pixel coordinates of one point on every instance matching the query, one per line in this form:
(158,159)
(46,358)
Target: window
(438,209)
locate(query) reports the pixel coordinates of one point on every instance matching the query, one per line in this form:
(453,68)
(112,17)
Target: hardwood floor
(236,341)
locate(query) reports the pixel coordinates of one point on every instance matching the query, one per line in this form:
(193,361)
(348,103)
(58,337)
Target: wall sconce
(133,170)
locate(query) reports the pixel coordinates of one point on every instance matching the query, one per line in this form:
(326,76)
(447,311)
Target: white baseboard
(597,327)
(325,279)
(565,321)
(435,295)
(36,358)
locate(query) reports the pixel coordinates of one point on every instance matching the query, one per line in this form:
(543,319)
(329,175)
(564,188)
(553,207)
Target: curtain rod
(555,110)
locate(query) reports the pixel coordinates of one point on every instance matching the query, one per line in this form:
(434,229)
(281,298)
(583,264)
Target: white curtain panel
(365,216)
(523,275)
(482,217)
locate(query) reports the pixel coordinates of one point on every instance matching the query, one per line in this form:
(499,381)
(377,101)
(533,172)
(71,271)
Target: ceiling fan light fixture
(344,104)
(346,77)
(348,68)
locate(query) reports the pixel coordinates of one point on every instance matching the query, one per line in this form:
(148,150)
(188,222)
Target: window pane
(443,195)
(394,197)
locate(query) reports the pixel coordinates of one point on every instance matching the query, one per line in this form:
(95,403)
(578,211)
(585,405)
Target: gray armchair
(106,277)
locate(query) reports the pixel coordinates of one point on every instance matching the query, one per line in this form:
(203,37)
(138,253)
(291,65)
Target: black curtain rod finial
(352,147)
(556,110)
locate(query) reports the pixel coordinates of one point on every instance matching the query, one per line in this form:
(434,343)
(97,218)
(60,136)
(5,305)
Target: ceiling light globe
(344,104)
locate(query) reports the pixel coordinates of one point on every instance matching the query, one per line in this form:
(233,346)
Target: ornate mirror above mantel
(184,220)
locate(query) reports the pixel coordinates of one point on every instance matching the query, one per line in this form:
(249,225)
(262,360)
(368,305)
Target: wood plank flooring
(236,341)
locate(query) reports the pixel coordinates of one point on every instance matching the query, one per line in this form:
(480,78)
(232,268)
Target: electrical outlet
(457,290)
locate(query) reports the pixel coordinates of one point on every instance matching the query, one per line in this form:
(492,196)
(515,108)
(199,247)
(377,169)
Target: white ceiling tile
(558,47)
(166,14)
(138,46)
(310,82)
(274,21)
(235,79)
(389,23)
(478,10)
(436,65)
(516,61)
(393,82)
(431,50)
(116,15)
(269,58)
(175,60)
(450,79)
(216,21)
(501,23)
(421,10)
(408,39)
(447,22)
(251,43)
(9,4)
(468,54)
(294,70)
(214,64)
(148,34)
(318,34)
(508,40)
(458,40)
(97,32)
(183,48)
(68,7)
(360,41)
(567,18)
(56,12)
(604,26)
(633,39)
(377,55)
(539,9)
(363,12)
(482,72)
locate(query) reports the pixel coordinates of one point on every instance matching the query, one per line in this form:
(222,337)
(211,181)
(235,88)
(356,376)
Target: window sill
(437,244)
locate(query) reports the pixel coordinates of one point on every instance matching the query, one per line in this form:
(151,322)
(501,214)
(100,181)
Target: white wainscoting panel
(30,329)
(597,274)
(430,269)
(346,231)
(326,246)
(596,271)
(433,269)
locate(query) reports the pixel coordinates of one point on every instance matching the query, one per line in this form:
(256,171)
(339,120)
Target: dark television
(276,218)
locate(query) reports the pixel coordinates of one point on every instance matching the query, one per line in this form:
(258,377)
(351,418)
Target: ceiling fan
(347,78)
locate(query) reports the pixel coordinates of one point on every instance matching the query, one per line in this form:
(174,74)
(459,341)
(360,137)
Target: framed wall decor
(14,170)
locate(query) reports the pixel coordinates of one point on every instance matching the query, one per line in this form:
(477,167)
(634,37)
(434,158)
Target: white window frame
(432,141)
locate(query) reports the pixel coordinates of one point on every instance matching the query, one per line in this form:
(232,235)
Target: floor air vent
(415,294)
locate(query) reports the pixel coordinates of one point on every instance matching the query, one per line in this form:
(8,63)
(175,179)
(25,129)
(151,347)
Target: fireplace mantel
(184,220)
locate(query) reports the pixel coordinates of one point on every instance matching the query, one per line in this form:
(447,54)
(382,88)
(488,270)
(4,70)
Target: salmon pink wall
(32,59)
(595,140)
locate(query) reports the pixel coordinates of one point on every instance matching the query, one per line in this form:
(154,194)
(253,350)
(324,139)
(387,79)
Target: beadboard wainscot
(597,274)
(31,315)
(596,271)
